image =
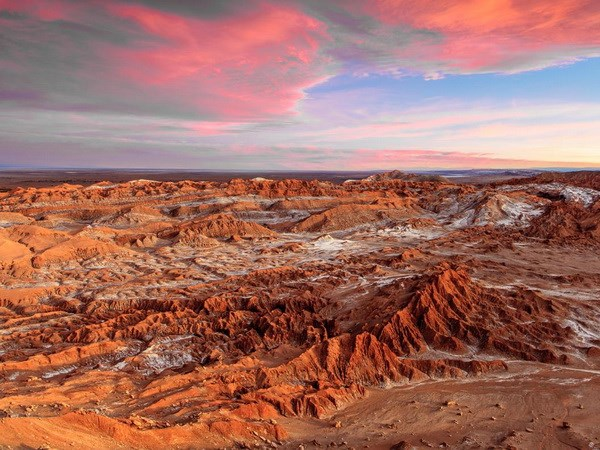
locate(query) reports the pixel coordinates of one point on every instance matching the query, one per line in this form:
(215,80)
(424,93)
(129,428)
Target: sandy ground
(527,407)
(531,406)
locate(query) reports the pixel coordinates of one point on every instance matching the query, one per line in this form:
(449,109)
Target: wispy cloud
(227,74)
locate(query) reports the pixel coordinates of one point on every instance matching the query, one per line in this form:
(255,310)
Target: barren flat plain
(394,311)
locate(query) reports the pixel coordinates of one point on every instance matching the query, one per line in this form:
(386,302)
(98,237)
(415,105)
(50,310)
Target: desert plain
(393,311)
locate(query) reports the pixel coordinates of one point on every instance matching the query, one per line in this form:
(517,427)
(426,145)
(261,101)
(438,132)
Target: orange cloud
(495,34)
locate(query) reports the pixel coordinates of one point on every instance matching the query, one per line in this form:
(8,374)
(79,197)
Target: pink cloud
(256,63)
(213,128)
(251,65)
(323,158)
(45,10)
(415,159)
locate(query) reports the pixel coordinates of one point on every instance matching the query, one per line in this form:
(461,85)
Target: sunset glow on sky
(300,84)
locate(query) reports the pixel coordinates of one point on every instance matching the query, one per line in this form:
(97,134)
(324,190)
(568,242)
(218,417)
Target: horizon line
(150,169)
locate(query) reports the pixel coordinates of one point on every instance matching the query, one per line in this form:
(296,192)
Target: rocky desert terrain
(393,311)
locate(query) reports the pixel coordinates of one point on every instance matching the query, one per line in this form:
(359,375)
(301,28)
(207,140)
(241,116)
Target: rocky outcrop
(584,178)
(223,226)
(74,249)
(349,216)
(447,312)
(404,176)
(564,222)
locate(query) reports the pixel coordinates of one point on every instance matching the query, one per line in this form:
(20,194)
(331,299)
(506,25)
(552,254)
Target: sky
(300,84)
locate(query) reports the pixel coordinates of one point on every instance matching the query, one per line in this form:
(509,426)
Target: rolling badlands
(389,312)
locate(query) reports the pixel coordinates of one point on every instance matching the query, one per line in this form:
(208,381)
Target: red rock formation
(75,248)
(281,188)
(404,176)
(348,216)
(584,178)
(223,226)
(564,222)
(148,304)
